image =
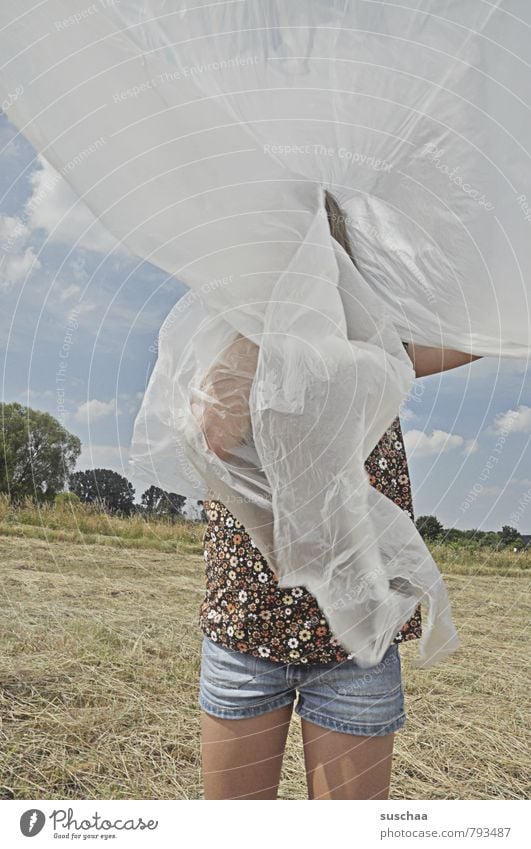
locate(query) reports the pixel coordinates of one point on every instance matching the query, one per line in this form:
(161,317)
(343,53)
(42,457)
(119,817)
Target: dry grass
(90,525)
(481,561)
(99,680)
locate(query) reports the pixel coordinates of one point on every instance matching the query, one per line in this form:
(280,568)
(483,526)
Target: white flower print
(243,601)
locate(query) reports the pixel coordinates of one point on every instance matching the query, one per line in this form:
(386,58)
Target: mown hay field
(100,652)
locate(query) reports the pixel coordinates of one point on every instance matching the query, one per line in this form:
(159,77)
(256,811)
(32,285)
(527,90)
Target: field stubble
(100,665)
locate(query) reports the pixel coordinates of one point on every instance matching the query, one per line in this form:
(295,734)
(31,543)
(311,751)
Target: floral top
(244,608)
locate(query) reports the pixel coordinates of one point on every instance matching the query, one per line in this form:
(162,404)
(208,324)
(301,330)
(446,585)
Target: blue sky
(81,315)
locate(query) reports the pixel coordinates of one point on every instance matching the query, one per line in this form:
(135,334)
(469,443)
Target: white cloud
(67,292)
(130,402)
(516,421)
(104,457)
(54,207)
(422,444)
(407,415)
(490,490)
(471,446)
(17,258)
(95,409)
(13,231)
(38,398)
(14,268)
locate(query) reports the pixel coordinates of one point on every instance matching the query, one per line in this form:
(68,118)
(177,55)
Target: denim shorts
(340,695)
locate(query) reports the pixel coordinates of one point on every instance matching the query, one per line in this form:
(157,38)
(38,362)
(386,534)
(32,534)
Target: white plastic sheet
(203,135)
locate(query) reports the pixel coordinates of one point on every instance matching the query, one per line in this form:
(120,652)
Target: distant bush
(67,499)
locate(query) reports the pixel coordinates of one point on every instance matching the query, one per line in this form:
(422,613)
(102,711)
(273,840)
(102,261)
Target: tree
(510,536)
(203,514)
(105,487)
(172,505)
(158,502)
(151,498)
(37,453)
(491,539)
(429,527)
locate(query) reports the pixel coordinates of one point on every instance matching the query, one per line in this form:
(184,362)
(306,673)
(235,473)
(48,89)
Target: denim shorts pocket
(346,678)
(226,668)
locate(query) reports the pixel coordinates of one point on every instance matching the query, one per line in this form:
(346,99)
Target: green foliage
(64,500)
(37,453)
(429,527)
(470,540)
(158,502)
(510,536)
(91,524)
(105,487)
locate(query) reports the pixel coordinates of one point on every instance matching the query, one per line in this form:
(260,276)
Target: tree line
(38,457)
(433,531)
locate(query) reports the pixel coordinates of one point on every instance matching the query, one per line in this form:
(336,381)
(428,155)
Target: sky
(79,325)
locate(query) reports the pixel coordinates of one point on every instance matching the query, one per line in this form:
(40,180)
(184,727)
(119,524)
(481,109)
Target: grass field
(100,664)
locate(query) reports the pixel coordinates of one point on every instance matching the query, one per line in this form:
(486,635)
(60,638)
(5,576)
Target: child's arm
(428,360)
(223,412)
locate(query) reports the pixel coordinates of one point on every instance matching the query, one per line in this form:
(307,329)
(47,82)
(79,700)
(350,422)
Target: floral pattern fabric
(245,609)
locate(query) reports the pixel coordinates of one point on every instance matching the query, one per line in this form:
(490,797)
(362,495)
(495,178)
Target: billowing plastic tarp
(203,135)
